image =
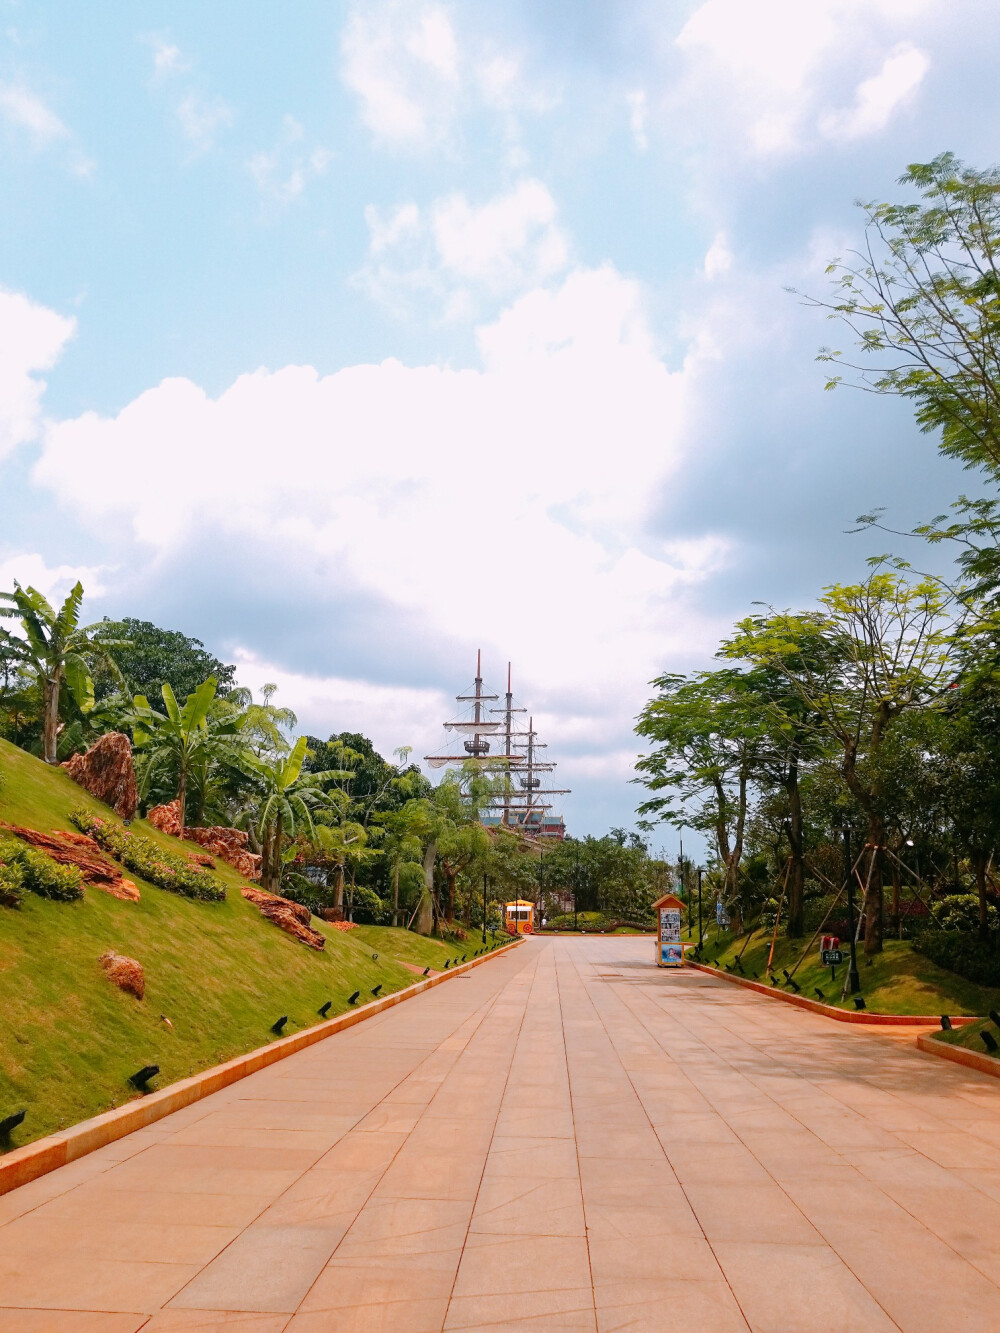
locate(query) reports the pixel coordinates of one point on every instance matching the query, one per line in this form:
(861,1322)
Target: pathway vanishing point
(563,1138)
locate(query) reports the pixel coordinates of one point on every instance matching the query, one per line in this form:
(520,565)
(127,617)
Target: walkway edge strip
(828,1010)
(44,1155)
(986,1064)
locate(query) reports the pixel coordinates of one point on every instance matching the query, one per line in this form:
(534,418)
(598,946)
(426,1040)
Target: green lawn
(219,972)
(897,981)
(971,1038)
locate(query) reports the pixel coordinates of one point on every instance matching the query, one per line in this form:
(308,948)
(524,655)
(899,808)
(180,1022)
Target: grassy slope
(970,1038)
(898,981)
(219,972)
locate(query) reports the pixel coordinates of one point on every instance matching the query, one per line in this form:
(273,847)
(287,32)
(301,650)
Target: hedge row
(142,856)
(23,867)
(966,954)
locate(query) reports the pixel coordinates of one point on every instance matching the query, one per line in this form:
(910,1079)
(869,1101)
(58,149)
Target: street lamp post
(541,877)
(701,934)
(576,885)
(484,907)
(853,980)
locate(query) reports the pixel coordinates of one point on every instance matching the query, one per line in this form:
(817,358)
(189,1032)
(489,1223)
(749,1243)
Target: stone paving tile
(215,1321)
(69,1321)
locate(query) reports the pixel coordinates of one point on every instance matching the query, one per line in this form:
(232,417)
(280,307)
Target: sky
(354,338)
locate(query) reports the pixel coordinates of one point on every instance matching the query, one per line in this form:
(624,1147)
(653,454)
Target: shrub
(40,873)
(960,911)
(155,865)
(366,906)
(967,955)
(11,884)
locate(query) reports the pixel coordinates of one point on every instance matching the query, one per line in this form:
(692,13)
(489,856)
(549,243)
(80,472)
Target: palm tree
(54,648)
(188,739)
(283,803)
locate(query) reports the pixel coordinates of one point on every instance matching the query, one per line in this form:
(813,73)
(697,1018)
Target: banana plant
(55,649)
(183,737)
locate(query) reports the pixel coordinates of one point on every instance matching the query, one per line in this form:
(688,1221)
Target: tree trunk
(425,910)
(795,926)
(338,886)
(873,898)
(50,725)
(897,921)
(450,876)
(182,782)
(395,894)
(979,865)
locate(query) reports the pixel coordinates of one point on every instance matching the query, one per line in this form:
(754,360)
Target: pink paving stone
(566,1139)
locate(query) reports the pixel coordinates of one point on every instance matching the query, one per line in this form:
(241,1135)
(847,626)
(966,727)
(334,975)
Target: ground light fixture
(376,989)
(374,957)
(859,1002)
(447,964)
(426,970)
(945,1023)
(10,1123)
(818,993)
(279,1024)
(354,997)
(142,1076)
(774,980)
(989,1041)
(324,1009)
(995,1017)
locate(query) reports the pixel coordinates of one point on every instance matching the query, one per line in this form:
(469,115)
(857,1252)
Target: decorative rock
(126,973)
(76,849)
(107,772)
(291,917)
(228,844)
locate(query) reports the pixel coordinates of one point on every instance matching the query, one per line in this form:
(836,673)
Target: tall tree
(54,648)
(147,656)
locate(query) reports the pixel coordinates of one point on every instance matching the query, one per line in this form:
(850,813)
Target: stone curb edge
(44,1155)
(828,1010)
(986,1064)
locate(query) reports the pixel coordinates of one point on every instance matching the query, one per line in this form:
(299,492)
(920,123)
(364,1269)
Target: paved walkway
(564,1138)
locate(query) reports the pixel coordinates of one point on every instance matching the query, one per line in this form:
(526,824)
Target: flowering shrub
(39,873)
(143,857)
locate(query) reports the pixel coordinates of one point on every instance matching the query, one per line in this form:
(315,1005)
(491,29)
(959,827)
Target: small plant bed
(971,1037)
(167,870)
(897,981)
(595,923)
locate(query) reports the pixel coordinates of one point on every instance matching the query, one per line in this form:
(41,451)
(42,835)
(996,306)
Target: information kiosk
(669,949)
(519,917)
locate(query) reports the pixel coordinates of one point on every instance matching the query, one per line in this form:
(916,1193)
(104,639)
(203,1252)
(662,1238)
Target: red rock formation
(76,849)
(291,917)
(107,772)
(126,973)
(228,844)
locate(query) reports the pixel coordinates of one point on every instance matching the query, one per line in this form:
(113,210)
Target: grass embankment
(896,981)
(219,972)
(970,1037)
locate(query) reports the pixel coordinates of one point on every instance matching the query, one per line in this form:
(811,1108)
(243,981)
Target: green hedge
(151,863)
(40,873)
(967,955)
(11,884)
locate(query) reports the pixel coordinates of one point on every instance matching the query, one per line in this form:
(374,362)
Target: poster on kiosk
(669,949)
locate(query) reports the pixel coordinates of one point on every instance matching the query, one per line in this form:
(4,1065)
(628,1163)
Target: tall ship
(496,740)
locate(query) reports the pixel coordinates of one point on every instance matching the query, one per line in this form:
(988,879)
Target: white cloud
(167,58)
(718,257)
(390,475)
(459,251)
(638,110)
(878,97)
(202,119)
(53,582)
(31,339)
(282,173)
(24,110)
(768,66)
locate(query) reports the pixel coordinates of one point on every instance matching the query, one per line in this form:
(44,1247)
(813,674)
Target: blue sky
(353,338)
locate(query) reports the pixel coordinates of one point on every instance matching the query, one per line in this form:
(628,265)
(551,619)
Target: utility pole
(484,906)
(576,885)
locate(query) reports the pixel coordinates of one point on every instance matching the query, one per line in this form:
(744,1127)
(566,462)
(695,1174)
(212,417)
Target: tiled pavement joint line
(847,1165)
(486,1155)
(722,1273)
(480,1014)
(576,1142)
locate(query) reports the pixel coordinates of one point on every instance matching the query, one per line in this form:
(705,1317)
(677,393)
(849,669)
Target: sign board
(831,957)
(671,949)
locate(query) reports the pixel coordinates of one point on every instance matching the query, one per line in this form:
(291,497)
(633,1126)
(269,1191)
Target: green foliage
(11,882)
(139,854)
(967,955)
(40,873)
(960,911)
(147,656)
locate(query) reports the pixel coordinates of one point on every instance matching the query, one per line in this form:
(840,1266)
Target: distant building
(534,822)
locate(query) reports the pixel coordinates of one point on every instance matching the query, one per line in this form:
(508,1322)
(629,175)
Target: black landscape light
(142,1076)
(995,1017)
(818,993)
(989,1041)
(426,970)
(737,964)
(859,1003)
(277,1027)
(376,989)
(945,1023)
(354,997)
(464,957)
(324,1009)
(374,957)
(794,984)
(447,964)
(774,980)
(9,1123)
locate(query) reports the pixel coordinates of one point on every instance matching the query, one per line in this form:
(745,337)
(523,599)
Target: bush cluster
(27,868)
(967,955)
(960,911)
(154,864)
